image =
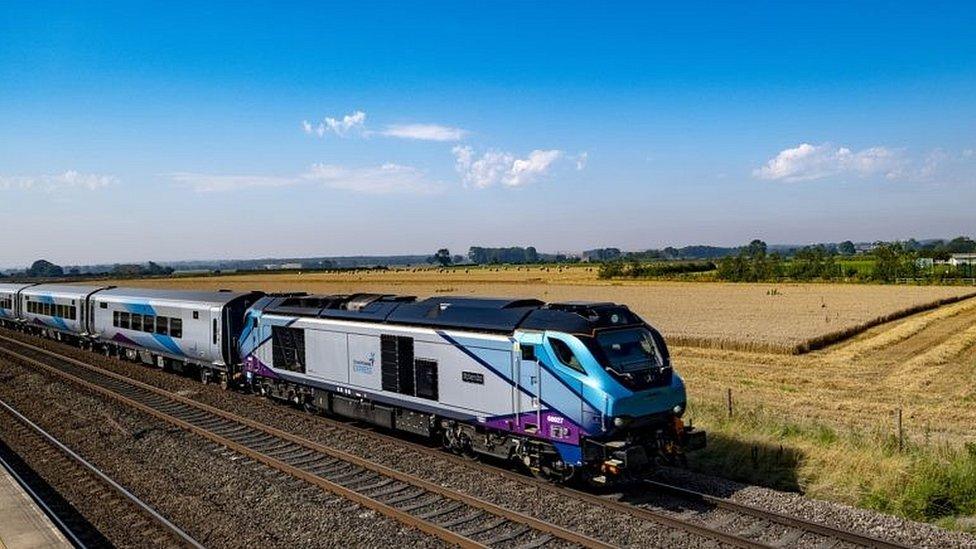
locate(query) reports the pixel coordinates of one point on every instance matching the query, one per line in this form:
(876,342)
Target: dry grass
(780,318)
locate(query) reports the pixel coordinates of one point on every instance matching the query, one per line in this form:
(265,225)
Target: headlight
(678,410)
(620,421)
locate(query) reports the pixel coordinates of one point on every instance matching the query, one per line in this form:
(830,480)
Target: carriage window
(73,313)
(288,348)
(115,319)
(136,322)
(124,320)
(103,305)
(215,331)
(148,324)
(176,327)
(566,355)
(162,325)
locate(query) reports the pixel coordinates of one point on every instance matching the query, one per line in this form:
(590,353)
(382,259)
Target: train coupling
(692,439)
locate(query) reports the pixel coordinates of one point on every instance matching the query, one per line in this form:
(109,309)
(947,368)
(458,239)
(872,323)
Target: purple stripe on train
(255,366)
(547,424)
(122,339)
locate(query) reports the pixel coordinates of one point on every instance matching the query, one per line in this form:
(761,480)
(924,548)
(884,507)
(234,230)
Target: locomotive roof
(220,297)
(503,315)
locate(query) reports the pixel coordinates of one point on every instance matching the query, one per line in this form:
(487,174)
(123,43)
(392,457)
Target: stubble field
(779,318)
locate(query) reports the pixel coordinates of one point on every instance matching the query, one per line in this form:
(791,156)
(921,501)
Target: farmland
(821,422)
(780,318)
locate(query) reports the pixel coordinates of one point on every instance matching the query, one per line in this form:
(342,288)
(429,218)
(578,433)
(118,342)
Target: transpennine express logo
(364,366)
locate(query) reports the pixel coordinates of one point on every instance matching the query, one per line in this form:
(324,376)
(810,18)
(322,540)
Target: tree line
(884,262)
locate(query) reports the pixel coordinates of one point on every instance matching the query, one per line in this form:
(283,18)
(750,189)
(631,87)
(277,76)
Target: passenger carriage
(10,303)
(57,311)
(171,328)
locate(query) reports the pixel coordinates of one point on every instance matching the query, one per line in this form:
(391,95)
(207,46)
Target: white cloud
(581,160)
(383,179)
(347,125)
(527,170)
(386,179)
(425,132)
(355,124)
(502,167)
(808,162)
(55,182)
(206,183)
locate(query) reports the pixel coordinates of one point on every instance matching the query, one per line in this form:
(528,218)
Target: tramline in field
(570,390)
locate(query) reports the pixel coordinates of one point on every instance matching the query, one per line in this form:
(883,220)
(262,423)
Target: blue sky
(168,131)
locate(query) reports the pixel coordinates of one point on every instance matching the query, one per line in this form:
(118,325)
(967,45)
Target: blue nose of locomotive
(655,401)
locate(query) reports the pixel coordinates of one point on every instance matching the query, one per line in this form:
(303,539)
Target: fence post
(728,400)
(901,433)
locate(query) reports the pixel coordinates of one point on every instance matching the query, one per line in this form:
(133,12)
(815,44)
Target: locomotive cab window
(631,350)
(566,355)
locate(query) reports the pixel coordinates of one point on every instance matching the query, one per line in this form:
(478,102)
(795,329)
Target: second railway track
(420,503)
(144,526)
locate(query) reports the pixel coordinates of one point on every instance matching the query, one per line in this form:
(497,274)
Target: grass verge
(923,481)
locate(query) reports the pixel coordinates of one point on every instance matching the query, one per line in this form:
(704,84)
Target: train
(571,391)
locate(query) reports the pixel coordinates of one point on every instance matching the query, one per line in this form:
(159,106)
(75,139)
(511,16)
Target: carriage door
(216,334)
(529,378)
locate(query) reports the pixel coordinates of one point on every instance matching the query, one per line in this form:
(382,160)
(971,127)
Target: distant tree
(127,269)
(961,245)
(893,261)
(756,249)
(43,268)
(846,248)
(443,256)
(458,259)
(611,269)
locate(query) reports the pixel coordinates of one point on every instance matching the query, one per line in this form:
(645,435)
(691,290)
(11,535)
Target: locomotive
(573,390)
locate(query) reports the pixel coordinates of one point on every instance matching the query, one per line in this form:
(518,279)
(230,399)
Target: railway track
(751,529)
(145,526)
(796,532)
(452,516)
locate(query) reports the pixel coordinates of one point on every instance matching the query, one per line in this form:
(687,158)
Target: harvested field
(925,365)
(780,318)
